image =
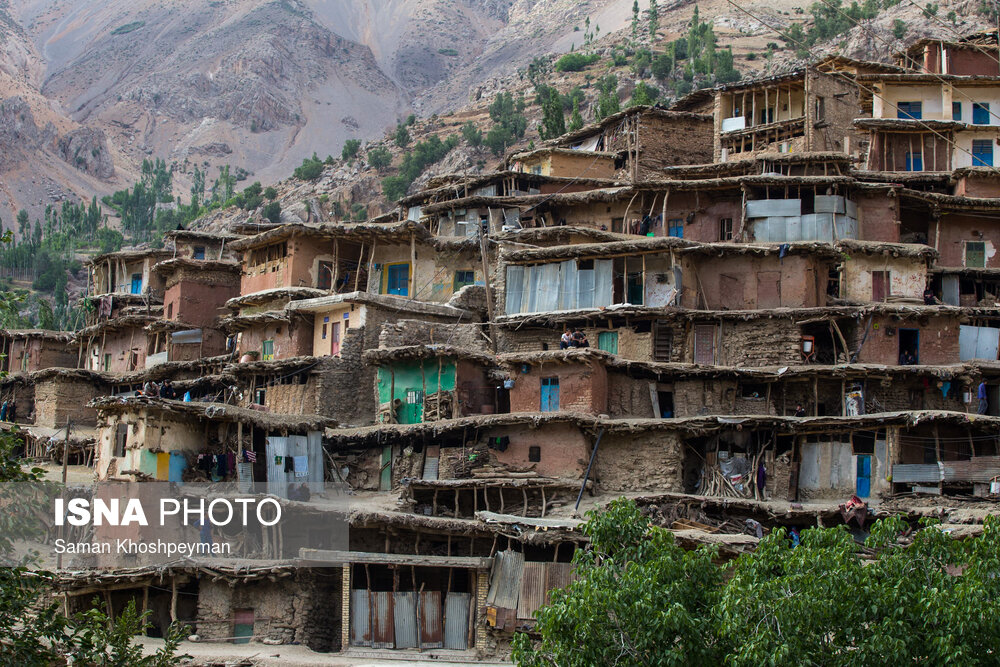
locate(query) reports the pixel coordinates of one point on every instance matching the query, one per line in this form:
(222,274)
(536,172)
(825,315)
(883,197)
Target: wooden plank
(347,557)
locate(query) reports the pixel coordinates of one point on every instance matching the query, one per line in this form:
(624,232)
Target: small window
(121,438)
(726,229)
(258,397)
(956,111)
(914,162)
(414,396)
(982,152)
(975,254)
(267,350)
(980,113)
(608,341)
(767,116)
(820,108)
(107,362)
(534,453)
(675,228)
(199,252)
(909,110)
(323,330)
(170,311)
(463,278)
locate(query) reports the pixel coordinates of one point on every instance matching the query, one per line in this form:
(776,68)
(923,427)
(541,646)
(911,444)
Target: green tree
(607,99)
(574,62)
(644,94)
(272,212)
(641,600)
(575,120)
(310,170)
(553,117)
(654,19)
(635,21)
(899,28)
(402,136)
(270,193)
(350,149)
(379,158)
(472,134)
(509,122)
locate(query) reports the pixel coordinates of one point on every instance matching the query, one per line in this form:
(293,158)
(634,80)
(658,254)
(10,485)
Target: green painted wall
(408,378)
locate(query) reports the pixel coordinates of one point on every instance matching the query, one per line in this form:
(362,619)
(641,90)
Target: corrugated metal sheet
(557,575)
(532,590)
(315,449)
(277,480)
(383,632)
(977,469)
(914,473)
(404,619)
(431,635)
(360,618)
(505,580)
(456,620)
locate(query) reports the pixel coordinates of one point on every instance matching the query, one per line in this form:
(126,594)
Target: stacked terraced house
(772,304)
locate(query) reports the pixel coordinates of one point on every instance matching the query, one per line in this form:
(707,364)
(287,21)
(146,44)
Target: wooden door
(334,339)
(731,289)
(880,285)
(242,626)
(704,344)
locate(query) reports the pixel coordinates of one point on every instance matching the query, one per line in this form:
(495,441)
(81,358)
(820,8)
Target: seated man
(566,340)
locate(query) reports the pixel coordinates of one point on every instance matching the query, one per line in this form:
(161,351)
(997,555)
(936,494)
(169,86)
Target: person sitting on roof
(800,411)
(150,389)
(906,358)
(929,298)
(566,340)
(167,390)
(580,339)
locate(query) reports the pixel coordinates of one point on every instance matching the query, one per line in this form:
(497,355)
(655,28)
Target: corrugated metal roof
(557,575)
(912,473)
(505,580)
(456,620)
(532,590)
(976,469)
(404,619)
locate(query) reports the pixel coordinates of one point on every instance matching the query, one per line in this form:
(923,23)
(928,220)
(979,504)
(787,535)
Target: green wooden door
(412,411)
(608,341)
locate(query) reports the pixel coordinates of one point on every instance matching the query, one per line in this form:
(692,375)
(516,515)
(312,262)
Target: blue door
(397,279)
(136,283)
(550,395)
(864,485)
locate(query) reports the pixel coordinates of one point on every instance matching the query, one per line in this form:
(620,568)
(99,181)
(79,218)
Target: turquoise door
(608,341)
(397,279)
(136,283)
(550,395)
(864,485)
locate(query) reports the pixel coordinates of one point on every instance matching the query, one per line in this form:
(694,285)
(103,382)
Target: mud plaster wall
(424,332)
(23,396)
(582,388)
(60,399)
(199,302)
(213,344)
(118,344)
(40,354)
(977,186)
(760,342)
(968,62)
(840,109)
(584,165)
(640,461)
(907,276)
(565,450)
(299,268)
(664,142)
(631,344)
(878,217)
(629,397)
(704,397)
(152,432)
(956,230)
(731,283)
(709,208)
(938,344)
(302,608)
(434,276)
(290,339)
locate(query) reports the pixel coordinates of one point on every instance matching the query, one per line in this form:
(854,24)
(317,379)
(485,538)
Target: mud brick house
(425,383)
(643,140)
(751,272)
(803,111)
(972,55)
(29,350)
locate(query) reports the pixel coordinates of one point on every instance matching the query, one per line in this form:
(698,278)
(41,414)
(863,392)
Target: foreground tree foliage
(642,600)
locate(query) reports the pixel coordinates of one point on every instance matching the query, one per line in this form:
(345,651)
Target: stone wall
(59,399)
(641,461)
